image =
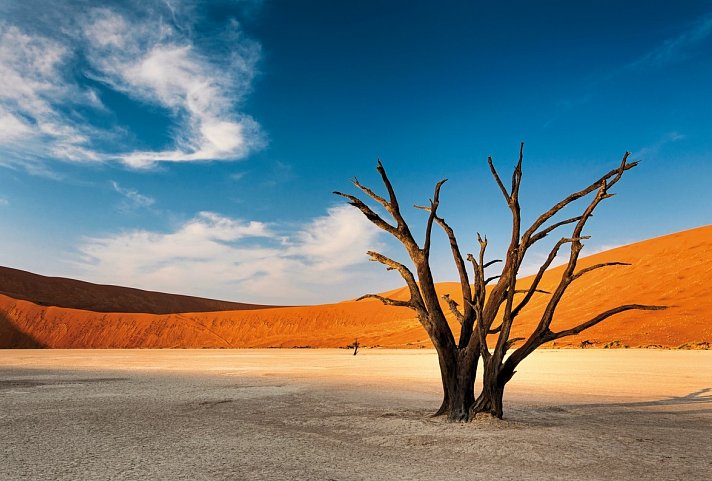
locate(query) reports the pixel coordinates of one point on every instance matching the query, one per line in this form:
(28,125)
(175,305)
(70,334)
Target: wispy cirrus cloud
(158,65)
(132,199)
(653,150)
(36,91)
(217,256)
(674,49)
(49,100)
(679,47)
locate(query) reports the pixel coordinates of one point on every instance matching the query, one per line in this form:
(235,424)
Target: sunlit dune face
(671,270)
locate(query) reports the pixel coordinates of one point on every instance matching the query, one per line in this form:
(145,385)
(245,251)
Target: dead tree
(487,310)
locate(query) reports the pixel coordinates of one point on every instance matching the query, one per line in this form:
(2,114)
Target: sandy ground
(328,415)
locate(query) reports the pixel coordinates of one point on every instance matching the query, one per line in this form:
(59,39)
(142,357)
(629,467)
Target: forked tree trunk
(459,395)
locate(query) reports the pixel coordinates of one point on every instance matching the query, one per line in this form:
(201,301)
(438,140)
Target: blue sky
(193,147)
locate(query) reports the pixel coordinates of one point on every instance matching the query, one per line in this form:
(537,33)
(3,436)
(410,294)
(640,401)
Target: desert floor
(329,415)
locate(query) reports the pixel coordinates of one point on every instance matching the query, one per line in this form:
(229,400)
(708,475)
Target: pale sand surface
(326,414)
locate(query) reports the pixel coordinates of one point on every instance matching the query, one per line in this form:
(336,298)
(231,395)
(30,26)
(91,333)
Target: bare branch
(576,246)
(370,214)
(597,266)
(453,308)
(495,330)
(388,301)
(457,258)
(372,194)
(527,291)
(602,317)
(498,180)
(401,230)
(431,218)
(392,265)
(415,296)
(488,264)
(517,173)
(540,235)
(483,248)
(490,279)
(512,342)
(473,261)
(504,290)
(615,173)
(465,318)
(540,273)
(393,208)
(478,281)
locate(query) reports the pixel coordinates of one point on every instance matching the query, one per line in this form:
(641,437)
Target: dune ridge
(71,293)
(673,270)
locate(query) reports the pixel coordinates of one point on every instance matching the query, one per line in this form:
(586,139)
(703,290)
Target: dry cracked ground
(328,415)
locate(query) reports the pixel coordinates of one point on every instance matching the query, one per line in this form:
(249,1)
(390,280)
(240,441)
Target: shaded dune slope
(675,270)
(62,292)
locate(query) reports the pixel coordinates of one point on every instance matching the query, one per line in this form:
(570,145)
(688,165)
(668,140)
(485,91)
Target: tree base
(490,402)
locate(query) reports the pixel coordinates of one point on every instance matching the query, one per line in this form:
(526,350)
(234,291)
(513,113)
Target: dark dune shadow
(71,293)
(13,338)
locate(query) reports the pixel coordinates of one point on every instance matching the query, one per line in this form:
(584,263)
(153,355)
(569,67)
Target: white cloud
(33,90)
(132,198)
(155,64)
(12,127)
(42,81)
(4,202)
(216,256)
(335,241)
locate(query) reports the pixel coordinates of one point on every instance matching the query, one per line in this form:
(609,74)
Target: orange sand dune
(674,270)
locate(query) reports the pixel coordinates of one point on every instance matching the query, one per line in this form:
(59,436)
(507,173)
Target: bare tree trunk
(467,370)
(490,400)
(444,405)
(458,371)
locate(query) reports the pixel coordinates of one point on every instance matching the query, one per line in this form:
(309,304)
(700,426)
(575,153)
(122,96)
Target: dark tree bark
(482,305)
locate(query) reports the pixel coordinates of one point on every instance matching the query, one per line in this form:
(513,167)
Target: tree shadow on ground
(701,399)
